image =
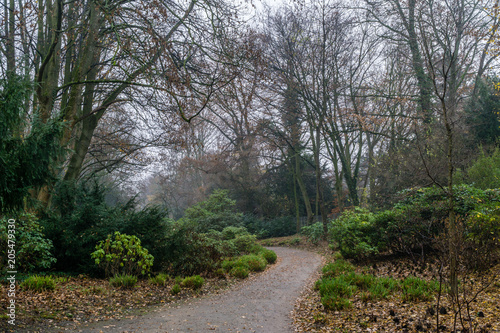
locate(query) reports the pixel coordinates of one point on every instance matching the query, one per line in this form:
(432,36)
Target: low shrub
(81,216)
(39,283)
(269,255)
(193,253)
(160,279)
(33,249)
(123,281)
(193,282)
(254,262)
(175,289)
(239,272)
(122,254)
(353,233)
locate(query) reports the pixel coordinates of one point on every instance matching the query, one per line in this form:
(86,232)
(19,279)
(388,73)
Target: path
(262,304)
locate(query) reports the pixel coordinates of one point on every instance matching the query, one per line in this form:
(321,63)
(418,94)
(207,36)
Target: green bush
(415,222)
(38,283)
(122,254)
(485,172)
(254,262)
(175,289)
(33,250)
(123,281)
(244,243)
(80,217)
(160,279)
(231,232)
(313,232)
(217,213)
(193,282)
(269,255)
(190,252)
(353,233)
(239,272)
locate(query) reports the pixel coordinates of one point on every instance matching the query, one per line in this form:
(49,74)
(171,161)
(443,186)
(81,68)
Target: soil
(263,303)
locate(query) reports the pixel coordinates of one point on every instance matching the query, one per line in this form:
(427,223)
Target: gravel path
(262,304)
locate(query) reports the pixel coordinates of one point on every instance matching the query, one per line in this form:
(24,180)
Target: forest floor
(261,303)
(479,299)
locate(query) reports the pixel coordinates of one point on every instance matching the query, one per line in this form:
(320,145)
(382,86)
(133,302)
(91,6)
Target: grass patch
(175,289)
(340,282)
(415,289)
(193,282)
(239,272)
(39,283)
(123,281)
(160,280)
(338,267)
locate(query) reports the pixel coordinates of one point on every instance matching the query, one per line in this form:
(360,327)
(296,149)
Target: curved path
(262,304)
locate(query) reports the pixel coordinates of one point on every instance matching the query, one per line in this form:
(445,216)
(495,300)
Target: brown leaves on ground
(394,315)
(83,299)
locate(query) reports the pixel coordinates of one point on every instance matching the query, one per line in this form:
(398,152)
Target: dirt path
(262,304)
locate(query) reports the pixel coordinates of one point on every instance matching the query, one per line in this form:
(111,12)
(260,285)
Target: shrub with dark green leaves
(39,283)
(33,250)
(232,232)
(193,282)
(123,281)
(244,243)
(190,252)
(122,254)
(269,255)
(353,233)
(80,218)
(217,213)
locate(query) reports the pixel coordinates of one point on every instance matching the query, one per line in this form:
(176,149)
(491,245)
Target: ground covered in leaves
(82,299)
(395,315)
